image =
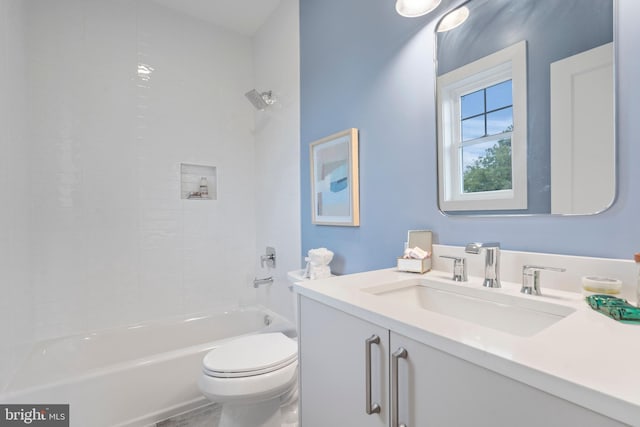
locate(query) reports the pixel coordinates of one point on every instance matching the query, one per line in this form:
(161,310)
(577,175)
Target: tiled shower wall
(276,60)
(109,99)
(16,294)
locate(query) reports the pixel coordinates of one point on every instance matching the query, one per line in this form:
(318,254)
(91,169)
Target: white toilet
(253,377)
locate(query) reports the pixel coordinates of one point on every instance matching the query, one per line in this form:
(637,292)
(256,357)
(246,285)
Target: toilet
(254,377)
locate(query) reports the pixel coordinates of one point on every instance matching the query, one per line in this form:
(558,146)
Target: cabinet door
(436,389)
(332,368)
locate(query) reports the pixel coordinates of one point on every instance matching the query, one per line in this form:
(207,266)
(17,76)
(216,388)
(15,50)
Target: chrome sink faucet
(491,262)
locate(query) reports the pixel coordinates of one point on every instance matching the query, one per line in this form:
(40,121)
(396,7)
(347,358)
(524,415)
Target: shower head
(260,100)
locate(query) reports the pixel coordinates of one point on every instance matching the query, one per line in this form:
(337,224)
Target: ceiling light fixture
(414,8)
(453,19)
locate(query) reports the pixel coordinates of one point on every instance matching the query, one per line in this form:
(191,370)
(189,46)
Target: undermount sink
(486,307)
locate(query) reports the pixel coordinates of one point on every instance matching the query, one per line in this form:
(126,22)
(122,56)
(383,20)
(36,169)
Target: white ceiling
(241,16)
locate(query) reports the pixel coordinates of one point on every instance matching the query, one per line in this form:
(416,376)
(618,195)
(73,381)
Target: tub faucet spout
(491,262)
(262,281)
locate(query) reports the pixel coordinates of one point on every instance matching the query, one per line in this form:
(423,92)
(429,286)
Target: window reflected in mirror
(483,140)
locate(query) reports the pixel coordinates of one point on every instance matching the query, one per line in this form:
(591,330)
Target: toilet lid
(251,355)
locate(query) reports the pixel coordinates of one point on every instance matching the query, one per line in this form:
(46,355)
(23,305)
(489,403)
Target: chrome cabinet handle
(400,353)
(370,407)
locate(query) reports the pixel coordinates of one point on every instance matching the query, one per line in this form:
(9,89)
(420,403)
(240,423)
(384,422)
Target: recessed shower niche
(198,182)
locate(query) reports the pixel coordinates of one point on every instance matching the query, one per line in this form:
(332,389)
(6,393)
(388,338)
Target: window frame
(507,64)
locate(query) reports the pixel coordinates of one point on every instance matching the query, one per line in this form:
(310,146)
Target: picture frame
(334,179)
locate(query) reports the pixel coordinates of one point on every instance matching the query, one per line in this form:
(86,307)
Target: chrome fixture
(531,278)
(491,262)
(415,8)
(267,320)
(307,268)
(264,281)
(269,258)
(260,100)
(370,407)
(459,268)
(400,353)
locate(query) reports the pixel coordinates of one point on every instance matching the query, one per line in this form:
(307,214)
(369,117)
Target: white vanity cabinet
(434,388)
(332,368)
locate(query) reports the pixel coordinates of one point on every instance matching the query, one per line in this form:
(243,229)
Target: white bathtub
(131,376)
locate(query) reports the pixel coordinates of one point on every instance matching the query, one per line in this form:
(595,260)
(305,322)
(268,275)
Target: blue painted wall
(364,66)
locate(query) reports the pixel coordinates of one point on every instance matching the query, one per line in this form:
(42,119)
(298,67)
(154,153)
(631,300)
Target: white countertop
(586,358)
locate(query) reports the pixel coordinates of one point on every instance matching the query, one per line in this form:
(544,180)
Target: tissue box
(423,240)
(414,265)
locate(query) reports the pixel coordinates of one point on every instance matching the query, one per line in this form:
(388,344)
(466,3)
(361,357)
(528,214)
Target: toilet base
(290,416)
(261,414)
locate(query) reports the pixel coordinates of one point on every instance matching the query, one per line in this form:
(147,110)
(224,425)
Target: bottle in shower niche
(636,258)
(204,188)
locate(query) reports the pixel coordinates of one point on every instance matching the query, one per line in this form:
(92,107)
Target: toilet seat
(251,355)
(250,369)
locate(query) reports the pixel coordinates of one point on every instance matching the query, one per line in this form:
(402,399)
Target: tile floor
(205,416)
(209,416)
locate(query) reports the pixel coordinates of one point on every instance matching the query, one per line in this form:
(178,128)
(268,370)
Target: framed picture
(334,180)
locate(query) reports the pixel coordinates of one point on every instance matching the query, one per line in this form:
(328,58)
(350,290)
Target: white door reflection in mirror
(582,166)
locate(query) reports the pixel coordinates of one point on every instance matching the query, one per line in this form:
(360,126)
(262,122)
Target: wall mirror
(526,107)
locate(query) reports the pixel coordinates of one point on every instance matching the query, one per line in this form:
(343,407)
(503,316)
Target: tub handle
(370,408)
(400,353)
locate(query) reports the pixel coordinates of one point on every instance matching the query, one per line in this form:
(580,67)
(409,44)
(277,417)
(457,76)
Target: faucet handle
(269,258)
(531,278)
(459,268)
